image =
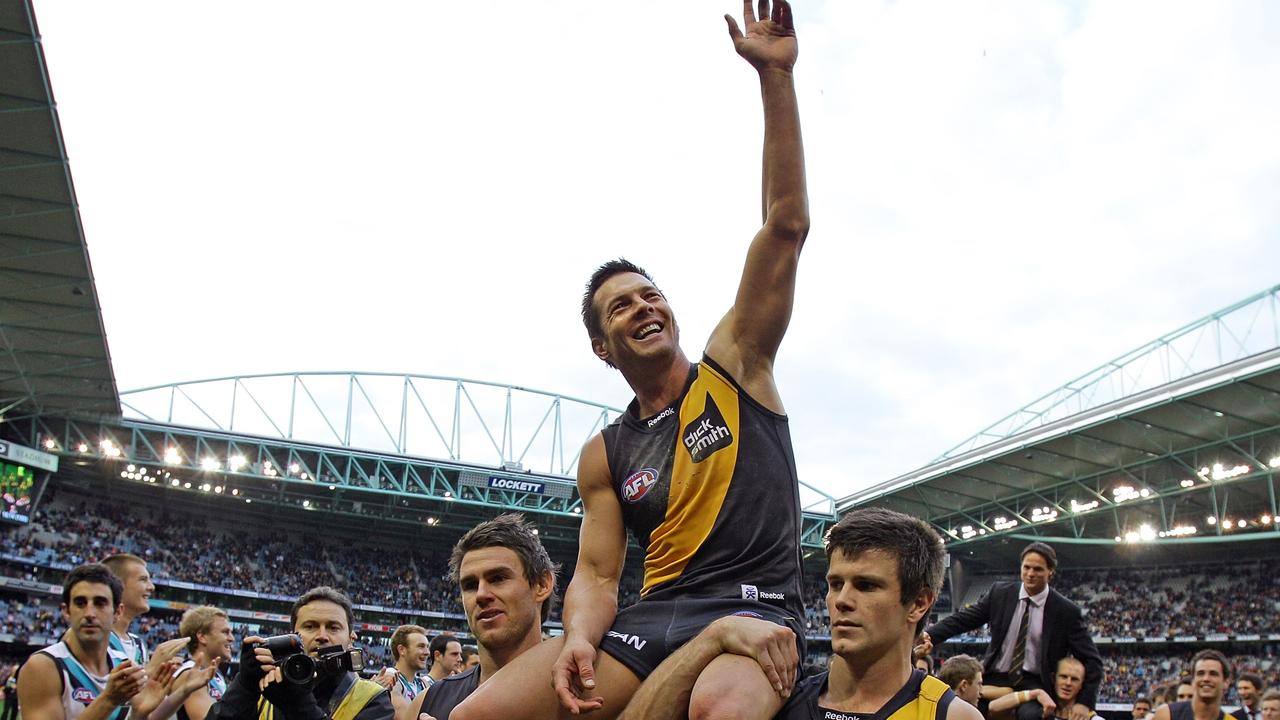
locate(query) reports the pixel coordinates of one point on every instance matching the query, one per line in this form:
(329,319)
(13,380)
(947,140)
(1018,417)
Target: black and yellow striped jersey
(924,697)
(708,487)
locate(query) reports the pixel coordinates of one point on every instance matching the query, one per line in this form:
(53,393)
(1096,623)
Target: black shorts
(644,634)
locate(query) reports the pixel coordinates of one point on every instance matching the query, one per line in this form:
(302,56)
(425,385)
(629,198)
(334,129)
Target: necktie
(1020,645)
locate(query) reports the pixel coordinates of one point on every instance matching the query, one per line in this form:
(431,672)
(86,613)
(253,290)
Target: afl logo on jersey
(83,695)
(636,486)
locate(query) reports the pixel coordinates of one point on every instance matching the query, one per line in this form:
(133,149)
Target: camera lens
(299,669)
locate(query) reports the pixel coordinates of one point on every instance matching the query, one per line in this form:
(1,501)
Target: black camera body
(300,668)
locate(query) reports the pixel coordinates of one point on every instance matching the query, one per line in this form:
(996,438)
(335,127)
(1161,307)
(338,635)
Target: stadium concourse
(1153,476)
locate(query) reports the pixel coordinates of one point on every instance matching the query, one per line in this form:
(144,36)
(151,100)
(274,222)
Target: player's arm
(1162,713)
(591,600)
(969,617)
(746,340)
(40,689)
(665,694)
(412,709)
(1006,705)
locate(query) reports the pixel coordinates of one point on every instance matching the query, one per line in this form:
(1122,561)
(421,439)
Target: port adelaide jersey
(708,486)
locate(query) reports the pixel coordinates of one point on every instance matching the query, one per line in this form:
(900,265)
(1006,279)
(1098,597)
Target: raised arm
(747,338)
(591,600)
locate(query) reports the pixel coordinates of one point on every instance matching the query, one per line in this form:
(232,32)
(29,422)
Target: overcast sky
(1004,195)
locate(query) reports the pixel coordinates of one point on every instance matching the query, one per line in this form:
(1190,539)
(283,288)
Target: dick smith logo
(707,433)
(638,483)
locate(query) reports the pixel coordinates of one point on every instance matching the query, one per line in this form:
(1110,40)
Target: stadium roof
(1175,442)
(53,350)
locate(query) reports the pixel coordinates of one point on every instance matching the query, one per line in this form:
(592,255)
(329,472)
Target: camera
(300,668)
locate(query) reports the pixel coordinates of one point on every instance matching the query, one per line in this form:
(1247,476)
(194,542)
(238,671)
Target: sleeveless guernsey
(130,646)
(80,687)
(708,487)
(446,694)
(924,697)
(216,687)
(1182,711)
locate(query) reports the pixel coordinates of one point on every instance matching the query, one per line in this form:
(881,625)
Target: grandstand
(1154,476)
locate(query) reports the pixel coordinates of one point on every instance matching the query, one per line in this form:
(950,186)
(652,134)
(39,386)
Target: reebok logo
(661,416)
(632,640)
(707,434)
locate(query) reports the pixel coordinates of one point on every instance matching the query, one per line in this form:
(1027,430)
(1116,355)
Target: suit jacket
(1064,632)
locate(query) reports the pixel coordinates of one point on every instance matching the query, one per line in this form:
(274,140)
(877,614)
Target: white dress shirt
(1035,626)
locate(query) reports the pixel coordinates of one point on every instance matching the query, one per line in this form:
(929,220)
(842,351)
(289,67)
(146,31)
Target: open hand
(574,677)
(769,39)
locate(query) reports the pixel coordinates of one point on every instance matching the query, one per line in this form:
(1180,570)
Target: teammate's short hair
(1071,659)
(1044,551)
(440,645)
(1253,678)
(198,620)
(468,651)
(119,561)
(1143,699)
(1210,654)
(957,668)
(590,317)
(323,592)
(513,532)
(93,573)
(917,547)
(1272,694)
(400,638)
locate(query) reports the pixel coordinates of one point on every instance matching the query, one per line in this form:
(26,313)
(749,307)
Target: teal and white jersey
(217,686)
(79,686)
(130,646)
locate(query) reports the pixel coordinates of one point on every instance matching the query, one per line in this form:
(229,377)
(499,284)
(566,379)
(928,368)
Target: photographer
(277,682)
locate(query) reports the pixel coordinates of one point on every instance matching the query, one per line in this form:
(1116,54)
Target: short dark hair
(92,573)
(590,317)
(1142,699)
(440,645)
(917,547)
(1251,678)
(513,532)
(323,592)
(400,638)
(1044,551)
(957,668)
(468,651)
(1210,654)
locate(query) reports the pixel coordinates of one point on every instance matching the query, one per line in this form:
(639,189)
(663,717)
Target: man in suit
(1032,627)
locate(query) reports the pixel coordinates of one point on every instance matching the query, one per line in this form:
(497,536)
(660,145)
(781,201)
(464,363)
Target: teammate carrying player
(699,468)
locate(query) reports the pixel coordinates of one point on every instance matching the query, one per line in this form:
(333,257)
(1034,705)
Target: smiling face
(502,607)
(322,623)
(89,612)
(1209,679)
(864,598)
(137,588)
(1035,573)
(415,651)
(218,640)
(1247,691)
(635,321)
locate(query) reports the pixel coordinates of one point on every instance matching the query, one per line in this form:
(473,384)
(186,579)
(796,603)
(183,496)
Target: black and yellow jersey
(924,697)
(708,487)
